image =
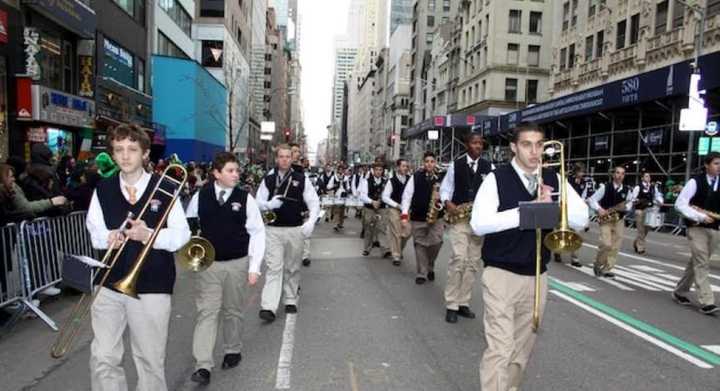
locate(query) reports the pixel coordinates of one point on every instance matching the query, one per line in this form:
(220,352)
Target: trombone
(75,320)
(561,240)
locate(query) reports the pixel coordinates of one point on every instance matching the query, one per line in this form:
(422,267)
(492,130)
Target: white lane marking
(630,329)
(714,288)
(326,253)
(632,281)
(645,268)
(712,348)
(616,284)
(282,382)
(648,278)
(576,285)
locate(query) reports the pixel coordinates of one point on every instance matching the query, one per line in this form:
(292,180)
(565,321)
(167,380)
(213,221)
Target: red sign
(3,27)
(24,98)
(439,121)
(470,120)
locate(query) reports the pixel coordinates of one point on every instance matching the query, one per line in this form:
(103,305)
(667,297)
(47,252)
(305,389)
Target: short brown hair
(525,127)
(282,146)
(223,158)
(711,156)
(131,132)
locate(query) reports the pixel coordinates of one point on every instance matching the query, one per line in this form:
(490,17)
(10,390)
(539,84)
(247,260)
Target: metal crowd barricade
(42,244)
(11,284)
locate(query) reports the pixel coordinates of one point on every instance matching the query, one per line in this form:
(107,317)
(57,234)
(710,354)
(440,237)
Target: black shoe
(681,299)
(396,262)
(267,315)
(387,254)
(201,377)
(575,263)
(597,271)
(608,275)
(366,253)
(557,258)
(306,262)
(431,276)
(362,234)
(231,360)
(376,244)
(341,226)
(465,312)
(451,316)
(420,280)
(336,228)
(290,309)
(709,309)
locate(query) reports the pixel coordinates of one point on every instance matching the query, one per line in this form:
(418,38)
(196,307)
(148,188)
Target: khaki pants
(397,234)
(642,230)
(374,225)
(283,250)
(306,249)
(611,237)
(465,262)
(702,243)
(148,319)
(508,299)
(339,214)
(428,239)
(220,288)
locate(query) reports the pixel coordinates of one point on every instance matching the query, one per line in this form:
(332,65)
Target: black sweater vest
(421,196)
(397,188)
(705,198)
(467,183)
(224,225)
(646,195)
(612,197)
(290,213)
(375,191)
(514,250)
(158,272)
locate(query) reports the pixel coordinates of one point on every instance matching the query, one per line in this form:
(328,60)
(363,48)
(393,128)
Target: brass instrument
(712,215)
(460,214)
(435,207)
(562,239)
(613,214)
(269,216)
(71,328)
(197,255)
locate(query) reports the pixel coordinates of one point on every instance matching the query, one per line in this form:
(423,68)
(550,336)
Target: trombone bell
(197,255)
(563,241)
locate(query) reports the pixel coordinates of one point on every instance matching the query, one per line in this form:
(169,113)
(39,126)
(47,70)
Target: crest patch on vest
(295,183)
(155,205)
(236,206)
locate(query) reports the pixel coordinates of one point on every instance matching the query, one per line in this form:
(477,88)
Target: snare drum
(326,201)
(339,201)
(354,202)
(654,218)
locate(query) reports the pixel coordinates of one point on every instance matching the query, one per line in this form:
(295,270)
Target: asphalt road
(363,324)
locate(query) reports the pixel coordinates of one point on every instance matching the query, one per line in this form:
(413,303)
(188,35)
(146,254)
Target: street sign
(708,144)
(266,136)
(711,129)
(433,134)
(267,127)
(694,118)
(439,121)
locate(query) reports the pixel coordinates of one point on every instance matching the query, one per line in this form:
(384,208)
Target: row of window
(178,14)
(515,22)
(533,54)
(478,92)
(166,47)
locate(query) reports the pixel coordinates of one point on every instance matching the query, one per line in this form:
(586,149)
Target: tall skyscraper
(400,13)
(344,61)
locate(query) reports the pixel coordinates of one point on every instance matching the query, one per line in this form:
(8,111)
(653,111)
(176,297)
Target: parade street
(364,324)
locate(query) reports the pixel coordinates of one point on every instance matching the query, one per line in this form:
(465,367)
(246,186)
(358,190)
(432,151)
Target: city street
(363,324)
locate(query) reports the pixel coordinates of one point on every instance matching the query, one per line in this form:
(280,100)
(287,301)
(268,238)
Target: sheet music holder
(543,215)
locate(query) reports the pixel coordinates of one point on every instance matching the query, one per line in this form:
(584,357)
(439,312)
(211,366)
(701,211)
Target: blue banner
(70,14)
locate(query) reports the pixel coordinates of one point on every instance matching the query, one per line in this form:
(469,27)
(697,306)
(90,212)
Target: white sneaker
(51,291)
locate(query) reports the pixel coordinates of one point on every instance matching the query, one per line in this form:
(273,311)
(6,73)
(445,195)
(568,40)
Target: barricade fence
(11,284)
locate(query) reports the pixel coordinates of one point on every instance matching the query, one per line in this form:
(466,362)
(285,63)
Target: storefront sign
(37,135)
(32,48)
(118,63)
(58,107)
(439,121)
(71,14)
(3,27)
(86,76)
(24,98)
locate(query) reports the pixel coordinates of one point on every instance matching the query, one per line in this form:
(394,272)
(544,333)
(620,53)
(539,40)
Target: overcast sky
(321,21)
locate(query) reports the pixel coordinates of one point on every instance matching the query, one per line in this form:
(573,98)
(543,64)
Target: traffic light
(287,134)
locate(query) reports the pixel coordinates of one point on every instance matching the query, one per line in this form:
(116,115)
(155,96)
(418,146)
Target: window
(512,53)
(678,14)
(599,43)
(571,56)
(267,85)
(591,7)
(67,67)
(166,47)
(661,11)
(620,37)
(212,8)
(212,54)
(428,38)
(634,28)
(563,58)
(141,75)
(430,21)
(566,16)
(127,6)
(511,90)
(484,90)
(404,120)
(588,47)
(712,8)
(535,22)
(431,5)
(446,5)
(533,55)
(573,20)
(268,71)
(178,14)
(484,59)
(515,21)
(531,91)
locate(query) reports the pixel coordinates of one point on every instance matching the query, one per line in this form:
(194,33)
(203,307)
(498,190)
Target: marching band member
(230,220)
(581,187)
(323,180)
(373,213)
(643,196)
(392,197)
(458,189)
(416,202)
(700,195)
(509,256)
(355,180)
(112,312)
(612,196)
(283,191)
(340,184)
(299,165)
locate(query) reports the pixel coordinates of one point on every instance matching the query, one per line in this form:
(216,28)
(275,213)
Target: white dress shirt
(310,198)
(364,186)
(594,201)
(387,192)
(171,238)
(253,224)
(682,204)
(486,219)
(657,200)
(447,188)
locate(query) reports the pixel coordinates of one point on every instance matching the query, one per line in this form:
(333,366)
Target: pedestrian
(42,181)
(644,196)
(392,197)
(14,205)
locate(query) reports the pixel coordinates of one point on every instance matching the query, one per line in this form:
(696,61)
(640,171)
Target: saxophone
(461,213)
(613,214)
(434,207)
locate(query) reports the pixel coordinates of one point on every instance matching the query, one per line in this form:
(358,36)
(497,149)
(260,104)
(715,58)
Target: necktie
(221,197)
(472,166)
(132,194)
(713,183)
(532,183)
